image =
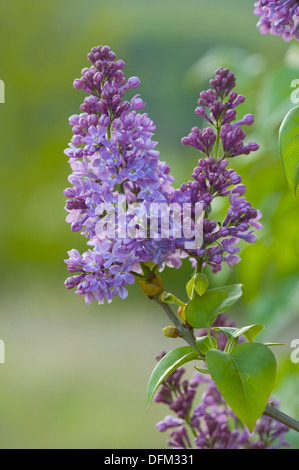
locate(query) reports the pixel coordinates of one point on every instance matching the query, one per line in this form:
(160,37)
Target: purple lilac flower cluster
(211,178)
(113,161)
(278,17)
(211,424)
(115,166)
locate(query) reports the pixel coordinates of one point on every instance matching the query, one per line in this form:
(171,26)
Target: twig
(184,332)
(274,413)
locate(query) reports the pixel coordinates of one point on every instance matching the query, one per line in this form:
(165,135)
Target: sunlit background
(76,376)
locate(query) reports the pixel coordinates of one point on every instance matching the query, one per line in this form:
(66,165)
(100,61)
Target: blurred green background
(76,376)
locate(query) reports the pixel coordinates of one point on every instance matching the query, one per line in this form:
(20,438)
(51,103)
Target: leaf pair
(244,377)
(244,373)
(250,332)
(198,284)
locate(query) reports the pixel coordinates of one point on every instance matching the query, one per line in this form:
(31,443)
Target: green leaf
(168,364)
(227,330)
(145,268)
(204,343)
(167,298)
(250,332)
(201,283)
(231,344)
(289,147)
(245,378)
(189,287)
(203,371)
(202,311)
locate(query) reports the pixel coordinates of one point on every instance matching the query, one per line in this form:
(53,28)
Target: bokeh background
(76,376)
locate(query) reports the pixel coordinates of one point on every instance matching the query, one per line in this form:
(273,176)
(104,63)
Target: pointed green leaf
(167,298)
(203,371)
(189,287)
(201,283)
(227,330)
(245,378)
(204,343)
(289,147)
(231,344)
(168,364)
(250,332)
(202,311)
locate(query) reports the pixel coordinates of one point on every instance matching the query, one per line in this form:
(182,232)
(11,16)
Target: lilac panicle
(114,162)
(222,140)
(218,107)
(115,166)
(278,17)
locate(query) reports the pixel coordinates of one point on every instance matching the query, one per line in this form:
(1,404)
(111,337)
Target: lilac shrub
(222,140)
(122,198)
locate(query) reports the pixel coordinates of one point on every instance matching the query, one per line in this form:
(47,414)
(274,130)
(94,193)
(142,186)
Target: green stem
(178,301)
(187,419)
(109,131)
(185,332)
(217,142)
(209,335)
(274,413)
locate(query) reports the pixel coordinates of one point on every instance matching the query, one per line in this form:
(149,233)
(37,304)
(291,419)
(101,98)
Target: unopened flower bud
(170,332)
(152,286)
(134,82)
(77,83)
(137,102)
